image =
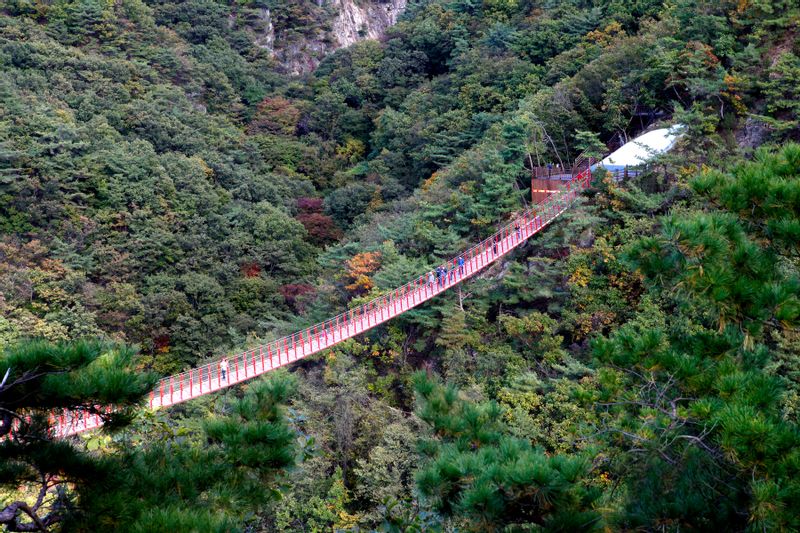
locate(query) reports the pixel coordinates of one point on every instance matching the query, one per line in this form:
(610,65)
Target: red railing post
(236,366)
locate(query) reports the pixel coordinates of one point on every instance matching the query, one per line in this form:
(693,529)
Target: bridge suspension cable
(231,370)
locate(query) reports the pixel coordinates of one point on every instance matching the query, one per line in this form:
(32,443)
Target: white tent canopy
(642,149)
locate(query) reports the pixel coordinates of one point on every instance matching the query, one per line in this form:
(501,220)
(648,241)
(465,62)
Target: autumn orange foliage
(358,270)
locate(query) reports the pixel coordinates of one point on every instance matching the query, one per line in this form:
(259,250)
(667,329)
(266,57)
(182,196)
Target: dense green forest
(168,195)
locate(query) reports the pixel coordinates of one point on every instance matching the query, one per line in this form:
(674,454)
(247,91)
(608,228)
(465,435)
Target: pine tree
(40,380)
(693,397)
(208,480)
(476,472)
(214,480)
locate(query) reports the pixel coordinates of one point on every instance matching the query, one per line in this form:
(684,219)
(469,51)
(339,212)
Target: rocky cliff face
(343,22)
(354,22)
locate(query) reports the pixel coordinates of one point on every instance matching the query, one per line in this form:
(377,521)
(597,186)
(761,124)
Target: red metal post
(236,363)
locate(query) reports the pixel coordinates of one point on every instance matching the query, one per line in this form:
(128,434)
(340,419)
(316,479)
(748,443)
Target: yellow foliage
(346,521)
(376,201)
(428,183)
(607,35)
(352,151)
(581,276)
(207,170)
(361,284)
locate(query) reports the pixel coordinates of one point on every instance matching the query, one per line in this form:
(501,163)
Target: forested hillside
(166,184)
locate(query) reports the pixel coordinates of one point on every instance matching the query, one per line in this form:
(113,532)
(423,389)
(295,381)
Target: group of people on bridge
(441,276)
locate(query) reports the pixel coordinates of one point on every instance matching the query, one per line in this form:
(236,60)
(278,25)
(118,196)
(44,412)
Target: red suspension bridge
(231,370)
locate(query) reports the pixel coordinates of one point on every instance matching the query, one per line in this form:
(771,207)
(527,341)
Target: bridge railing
(233,369)
(350,323)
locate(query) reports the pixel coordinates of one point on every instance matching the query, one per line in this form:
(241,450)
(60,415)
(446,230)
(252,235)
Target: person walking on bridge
(460,265)
(430,278)
(223,369)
